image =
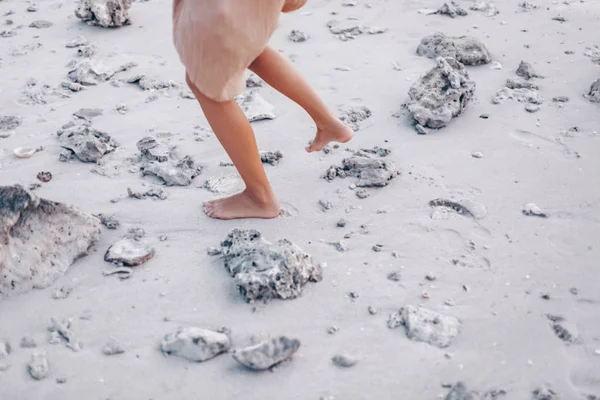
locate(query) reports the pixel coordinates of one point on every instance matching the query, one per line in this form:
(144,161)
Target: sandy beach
(520,281)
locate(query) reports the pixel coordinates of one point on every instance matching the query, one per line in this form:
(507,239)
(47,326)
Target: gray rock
(88,72)
(532,209)
(105,13)
(113,347)
(297,36)
(195,344)
(427,326)
(88,113)
(109,221)
(129,252)
(344,360)
(452,10)
(63,328)
(153,150)
(41,24)
(362,193)
(5,350)
(528,96)
(565,331)
(441,94)
(264,270)
(267,354)
(38,366)
(72,86)
(77,42)
(484,6)
(465,49)
(253,81)
(146,82)
(174,173)
(544,393)
(370,172)
(526,71)
(27,342)
(465,207)
(353,115)
(375,151)
(255,107)
(325,205)
(156,193)
(460,392)
(345,30)
(86,51)
(9,123)
(593,94)
(518,83)
(560,99)
(271,157)
(88,144)
(532,108)
(40,239)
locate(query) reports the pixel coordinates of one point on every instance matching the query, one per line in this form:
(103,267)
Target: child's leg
(282,75)
(234,132)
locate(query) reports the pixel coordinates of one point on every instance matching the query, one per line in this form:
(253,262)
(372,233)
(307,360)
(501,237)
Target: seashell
(24,152)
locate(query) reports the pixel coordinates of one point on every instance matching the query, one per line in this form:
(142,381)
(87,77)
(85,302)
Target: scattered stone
(560,99)
(61,380)
(593,94)
(113,347)
(122,272)
(86,143)
(213,251)
(344,360)
(297,36)
(129,252)
(342,223)
(267,354)
(156,193)
(345,30)
(86,51)
(149,83)
(44,176)
(362,193)
(427,326)
(40,239)
(195,344)
(465,49)
(5,350)
(63,328)
(180,173)
(526,71)
(430,277)
(109,221)
(72,86)
(532,108)
(271,157)
(484,6)
(77,42)
(104,13)
(441,94)
(340,246)
(254,81)
(565,331)
(527,6)
(532,209)
(378,151)
(528,96)
(477,154)
(325,204)
(9,123)
(62,293)
(372,310)
(463,207)
(559,19)
(86,72)
(353,115)
(518,83)
(38,366)
(88,113)
(377,247)
(27,342)
(153,150)
(255,107)
(32,8)
(460,392)
(544,393)
(41,24)
(452,10)
(394,276)
(370,172)
(264,270)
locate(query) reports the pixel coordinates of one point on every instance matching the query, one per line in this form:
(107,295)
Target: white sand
(510,260)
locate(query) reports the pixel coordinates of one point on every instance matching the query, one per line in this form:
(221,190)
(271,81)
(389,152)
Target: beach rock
(40,239)
(109,221)
(565,331)
(370,172)
(174,173)
(156,193)
(113,347)
(526,71)
(264,270)
(518,83)
(297,36)
(86,51)
(88,113)
(63,328)
(441,94)
(362,194)
(532,209)
(41,24)
(105,13)
(487,7)
(255,107)
(129,252)
(464,207)
(87,72)
(88,144)
(375,151)
(27,342)
(344,360)
(153,150)
(271,157)
(72,86)
(77,42)
(195,344)
(9,123)
(460,392)
(38,366)
(345,30)
(527,96)
(452,10)
(427,326)
(593,94)
(148,83)
(353,115)
(465,49)
(544,393)
(267,354)
(5,350)
(254,81)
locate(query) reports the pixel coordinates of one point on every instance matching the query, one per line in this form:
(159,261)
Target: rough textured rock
(460,392)
(88,113)
(153,150)
(518,83)
(38,366)
(353,115)
(522,95)
(255,107)
(441,94)
(565,331)
(264,270)
(9,123)
(465,49)
(40,24)
(452,10)
(87,143)
(105,13)
(526,71)
(40,239)
(174,173)
(544,393)
(297,36)
(155,193)
(63,329)
(465,207)
(427,326)
(87,72)
(146,82)
(370,172)
(487,7)
(267,354)
(113,347)
(129,252)
(195,344)
(532,209)
(593,94)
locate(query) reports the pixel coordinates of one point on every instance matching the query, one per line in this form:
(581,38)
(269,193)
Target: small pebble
(372,310)
(477,154)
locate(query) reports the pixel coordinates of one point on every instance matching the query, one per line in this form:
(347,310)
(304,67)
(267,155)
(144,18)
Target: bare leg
(234,132)
(282,75)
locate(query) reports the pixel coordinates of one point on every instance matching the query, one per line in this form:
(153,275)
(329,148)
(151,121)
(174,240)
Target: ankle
(263,196)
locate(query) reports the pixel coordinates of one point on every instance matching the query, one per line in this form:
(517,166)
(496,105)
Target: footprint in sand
(534,140)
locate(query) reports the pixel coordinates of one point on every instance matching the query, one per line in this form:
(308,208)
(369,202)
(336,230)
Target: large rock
(465,49)
(593,94)
(195,344)
(264,270)
(88,144)
(427,326)
(39,239)
(129,252)
(105,13)
(370,172)
(267,354)
(441,94)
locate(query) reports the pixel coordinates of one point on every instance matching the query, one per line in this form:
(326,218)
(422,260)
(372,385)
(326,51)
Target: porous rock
(441,94)
(465,49)
(544,393)
(146,82)
(271,157)
(423,325)
(518,83)
(452,9)
(9,123)
(485,6)
(265,270)
(267,354)
(88,144)
(255,107)
(460,392)
(129,252)
(353,115)
(370,172)
(174,173)
(593,94)
(40,239)
(522,95)
(63,328)
(105,13)
(38,365)
(297,36)
(153,150)
(87,72)
(195,344)
(113,347)
(526,71)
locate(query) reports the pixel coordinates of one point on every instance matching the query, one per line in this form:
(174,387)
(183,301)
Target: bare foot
(336,131)
(242,205)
